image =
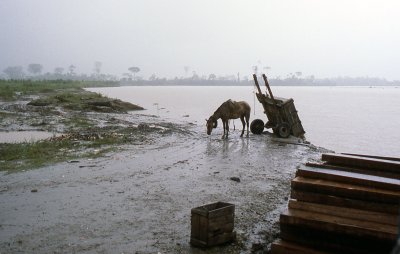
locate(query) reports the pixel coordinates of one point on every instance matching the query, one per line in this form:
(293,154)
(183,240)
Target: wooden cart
(281,113)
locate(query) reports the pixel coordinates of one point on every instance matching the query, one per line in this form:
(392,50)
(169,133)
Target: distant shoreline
(355,82)
(272,82)
(302,85)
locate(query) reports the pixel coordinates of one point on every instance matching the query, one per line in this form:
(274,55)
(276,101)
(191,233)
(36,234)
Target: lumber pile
(345,204)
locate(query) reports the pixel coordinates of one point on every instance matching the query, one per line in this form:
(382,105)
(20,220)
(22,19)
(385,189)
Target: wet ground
(139,200)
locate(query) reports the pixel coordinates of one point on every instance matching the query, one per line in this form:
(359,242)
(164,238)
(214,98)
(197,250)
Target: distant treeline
(339,81)
(131,78)
(104,81)
(34,71)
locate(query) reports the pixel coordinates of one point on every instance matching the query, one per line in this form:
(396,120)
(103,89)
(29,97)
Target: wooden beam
(344,212)
(374,156)
(333,200)
(365,171)
(334,242)
(345,226)
(285,247)
(349,177)
(346,190)
(362,162)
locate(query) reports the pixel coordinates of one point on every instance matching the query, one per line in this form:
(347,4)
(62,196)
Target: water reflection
(227,146)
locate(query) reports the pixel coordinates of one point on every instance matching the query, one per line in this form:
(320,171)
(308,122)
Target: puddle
(24,136)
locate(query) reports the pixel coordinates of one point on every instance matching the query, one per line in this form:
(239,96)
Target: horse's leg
(227,127)
(247,122)
(223,123)
(242,119)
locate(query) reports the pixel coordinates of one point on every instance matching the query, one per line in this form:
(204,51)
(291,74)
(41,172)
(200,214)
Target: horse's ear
(215,124)
(206,120)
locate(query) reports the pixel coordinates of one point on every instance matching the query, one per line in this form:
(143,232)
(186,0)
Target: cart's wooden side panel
(289,114)
(283,111)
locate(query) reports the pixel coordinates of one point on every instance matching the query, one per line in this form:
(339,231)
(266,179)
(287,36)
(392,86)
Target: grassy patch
(78,122)
(7,114)
(61,105)
(25,156)
(19,156)
(13,89)
(85,143)
(80,100)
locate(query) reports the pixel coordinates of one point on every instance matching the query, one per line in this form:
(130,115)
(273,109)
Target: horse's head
(211,124)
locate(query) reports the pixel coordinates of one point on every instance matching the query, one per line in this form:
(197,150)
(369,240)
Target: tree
(127,76)
(71,69)
(186,69)
(35,68)
(134,70)
(212,76)
(14,72)
(153,77)
(195,76)
(58,70)
(97,67)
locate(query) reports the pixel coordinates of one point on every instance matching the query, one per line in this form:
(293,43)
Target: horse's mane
(222,106)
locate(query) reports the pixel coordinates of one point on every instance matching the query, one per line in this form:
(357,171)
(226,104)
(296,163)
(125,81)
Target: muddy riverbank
(138,200)
(136,194)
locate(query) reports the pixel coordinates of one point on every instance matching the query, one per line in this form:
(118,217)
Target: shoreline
(136,191)
(140,197)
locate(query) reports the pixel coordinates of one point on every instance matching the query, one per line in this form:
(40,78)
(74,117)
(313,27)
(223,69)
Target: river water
(362,120)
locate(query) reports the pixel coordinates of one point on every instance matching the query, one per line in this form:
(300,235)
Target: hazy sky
(325,38)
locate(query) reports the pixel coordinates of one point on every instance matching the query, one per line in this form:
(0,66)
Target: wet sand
(139,200)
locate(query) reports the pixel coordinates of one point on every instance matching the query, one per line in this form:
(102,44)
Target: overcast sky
(325,38)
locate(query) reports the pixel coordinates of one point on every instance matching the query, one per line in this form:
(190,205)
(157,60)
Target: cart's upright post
(269,89)
(282,114)
(257,85)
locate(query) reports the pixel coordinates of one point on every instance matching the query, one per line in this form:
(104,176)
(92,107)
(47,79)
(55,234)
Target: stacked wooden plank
(345,204)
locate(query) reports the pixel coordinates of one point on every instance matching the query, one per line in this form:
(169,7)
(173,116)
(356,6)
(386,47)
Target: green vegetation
(19,156)
(61,105)
(78,122)
(14,89)
(24,156)
(81,100)
(90,144)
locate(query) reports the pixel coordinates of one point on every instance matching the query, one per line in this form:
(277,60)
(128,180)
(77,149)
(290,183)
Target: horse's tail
(248,110)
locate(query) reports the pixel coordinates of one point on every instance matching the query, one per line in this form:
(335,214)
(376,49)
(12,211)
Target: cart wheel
(257,126)
(284,130)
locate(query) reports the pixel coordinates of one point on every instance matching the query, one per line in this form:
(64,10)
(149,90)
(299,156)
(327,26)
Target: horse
(230,110)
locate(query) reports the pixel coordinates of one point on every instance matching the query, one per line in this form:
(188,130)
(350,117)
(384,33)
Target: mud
(139,200)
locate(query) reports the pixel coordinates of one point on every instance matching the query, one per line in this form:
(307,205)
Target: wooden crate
(212,224)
